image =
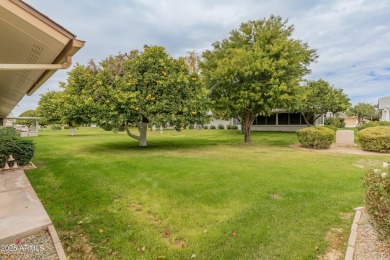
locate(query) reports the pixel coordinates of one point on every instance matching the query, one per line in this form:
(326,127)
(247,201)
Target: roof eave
(70,49)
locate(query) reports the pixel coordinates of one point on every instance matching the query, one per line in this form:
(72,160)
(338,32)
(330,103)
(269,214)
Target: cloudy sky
(352,37)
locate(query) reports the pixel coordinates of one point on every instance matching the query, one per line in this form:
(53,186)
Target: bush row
(221,126)
(377,197)
(11,143)
(317,137)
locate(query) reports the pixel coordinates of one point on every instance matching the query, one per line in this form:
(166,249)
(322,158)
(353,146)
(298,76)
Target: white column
(387,118)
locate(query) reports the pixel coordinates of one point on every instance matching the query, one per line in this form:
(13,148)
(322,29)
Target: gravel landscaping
(368,245)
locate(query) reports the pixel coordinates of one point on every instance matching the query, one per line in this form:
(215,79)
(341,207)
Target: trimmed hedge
(375,139)
(377,197)
(221,126)
(212,127)
(232,127)
(317,137)
(372,124)
(11,143)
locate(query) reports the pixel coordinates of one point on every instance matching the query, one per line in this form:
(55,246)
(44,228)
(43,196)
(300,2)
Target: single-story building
(278,121)
(384,108)
(284,122)
(32,48)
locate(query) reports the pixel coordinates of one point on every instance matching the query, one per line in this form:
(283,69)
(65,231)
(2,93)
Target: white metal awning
(32,48)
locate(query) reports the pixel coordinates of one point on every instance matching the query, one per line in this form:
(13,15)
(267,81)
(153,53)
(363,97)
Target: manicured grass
(202,193)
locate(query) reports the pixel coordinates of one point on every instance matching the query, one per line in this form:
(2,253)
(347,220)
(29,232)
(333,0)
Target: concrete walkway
(21,212)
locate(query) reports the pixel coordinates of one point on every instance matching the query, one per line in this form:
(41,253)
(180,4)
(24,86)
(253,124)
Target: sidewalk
(21,212)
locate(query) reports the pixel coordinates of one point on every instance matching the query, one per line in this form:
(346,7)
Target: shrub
(337,122)
(21,149)
(212,127)
(331,127)
(221,126)
(230,126)
(205,127)
(8,132)
(191,126)
(376,139)
(377,197)
(106,127)
(66,127)
(373,124)
(316,137)
(56,127)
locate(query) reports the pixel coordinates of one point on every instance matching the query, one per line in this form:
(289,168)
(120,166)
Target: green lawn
(201,194)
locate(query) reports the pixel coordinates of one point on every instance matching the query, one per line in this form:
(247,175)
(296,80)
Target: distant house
(384,108)
(284,122)
(278,121)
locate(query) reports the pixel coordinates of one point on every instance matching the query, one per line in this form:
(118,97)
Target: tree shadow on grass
(170,143)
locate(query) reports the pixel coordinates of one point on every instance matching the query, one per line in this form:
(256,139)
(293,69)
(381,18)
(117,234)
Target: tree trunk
(247,125)
(142,129)
(315,119)
(71,131)
(306,119)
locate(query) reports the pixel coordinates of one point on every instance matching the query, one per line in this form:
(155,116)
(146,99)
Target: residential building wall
(277,122)
(386,114)
(283,122)
(384,107)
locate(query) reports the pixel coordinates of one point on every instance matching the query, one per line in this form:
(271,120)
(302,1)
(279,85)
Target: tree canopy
(319,97)
(257,69)
(49,106)
(138,88)
(363,111)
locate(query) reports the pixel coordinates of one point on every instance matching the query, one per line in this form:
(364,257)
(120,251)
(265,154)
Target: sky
(351,36)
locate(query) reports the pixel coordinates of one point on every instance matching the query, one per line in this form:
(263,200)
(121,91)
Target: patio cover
(32,49)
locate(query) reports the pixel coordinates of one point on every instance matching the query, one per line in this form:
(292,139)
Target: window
(295,119)
(260,120)
(283,118)
(271,120)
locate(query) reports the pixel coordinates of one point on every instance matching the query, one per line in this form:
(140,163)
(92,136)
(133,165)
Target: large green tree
(256,69)
(62,107)
(139,88)
(49,107)
(319,97)
(363,111)
(74,111)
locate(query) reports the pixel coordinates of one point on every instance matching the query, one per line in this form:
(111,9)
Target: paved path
(21,212)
